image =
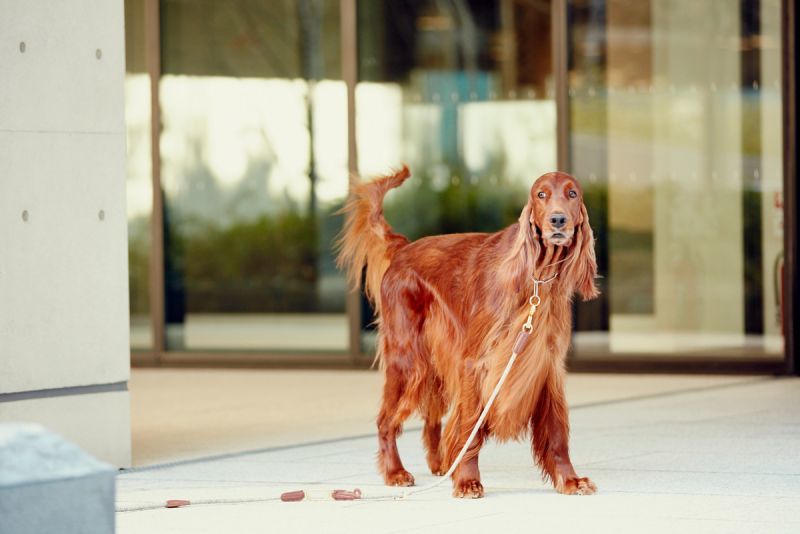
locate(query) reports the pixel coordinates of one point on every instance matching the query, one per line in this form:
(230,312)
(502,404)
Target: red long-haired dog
(450,308)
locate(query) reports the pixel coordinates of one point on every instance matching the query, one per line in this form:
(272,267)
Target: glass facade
(140,184)
(462,92)
(254,163)
(676,130)
(673,123)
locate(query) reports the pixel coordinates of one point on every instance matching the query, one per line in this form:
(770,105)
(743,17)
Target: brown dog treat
(177,503)
(293,496)
(344,495)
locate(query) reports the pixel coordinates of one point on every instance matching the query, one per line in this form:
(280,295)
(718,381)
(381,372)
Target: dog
(449,309)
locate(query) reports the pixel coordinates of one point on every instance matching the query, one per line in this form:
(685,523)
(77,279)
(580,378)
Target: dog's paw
(401,477)
(576,486)
(436,467)
(468,489)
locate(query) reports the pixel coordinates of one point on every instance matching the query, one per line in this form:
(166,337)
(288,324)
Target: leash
(346,495)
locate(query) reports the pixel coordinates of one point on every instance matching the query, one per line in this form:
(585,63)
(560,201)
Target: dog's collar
(537,282)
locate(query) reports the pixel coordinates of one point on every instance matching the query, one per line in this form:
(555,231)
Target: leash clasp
(535,300)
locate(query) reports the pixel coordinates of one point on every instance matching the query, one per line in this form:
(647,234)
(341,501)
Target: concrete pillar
(64,349)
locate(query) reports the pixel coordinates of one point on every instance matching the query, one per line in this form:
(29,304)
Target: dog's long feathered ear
(581,269)
(524,250)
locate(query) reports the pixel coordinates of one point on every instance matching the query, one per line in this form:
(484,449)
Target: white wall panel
(58,83)
(63,272)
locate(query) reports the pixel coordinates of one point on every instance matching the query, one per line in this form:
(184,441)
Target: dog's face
(556,199)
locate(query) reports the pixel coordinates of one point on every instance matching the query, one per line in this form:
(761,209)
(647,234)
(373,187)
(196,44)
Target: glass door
(675,130)
(254,166)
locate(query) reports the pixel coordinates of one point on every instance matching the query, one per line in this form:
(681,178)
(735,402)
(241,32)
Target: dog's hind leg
(432,412)
(402,354)
(390,425)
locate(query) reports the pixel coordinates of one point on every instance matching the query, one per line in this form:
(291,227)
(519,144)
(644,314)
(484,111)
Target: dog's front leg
(467,476)
(550,429)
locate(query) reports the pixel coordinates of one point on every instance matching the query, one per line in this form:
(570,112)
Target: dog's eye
(542,194)
(572,193)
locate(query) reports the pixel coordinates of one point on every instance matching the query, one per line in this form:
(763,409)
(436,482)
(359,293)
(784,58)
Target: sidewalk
(669,454)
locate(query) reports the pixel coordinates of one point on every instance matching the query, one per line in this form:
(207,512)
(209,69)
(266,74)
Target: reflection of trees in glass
(444,196)
(466,203)
(244,247)
(138,264)
(200,194)
(138,150)
(240,248)
(267,264)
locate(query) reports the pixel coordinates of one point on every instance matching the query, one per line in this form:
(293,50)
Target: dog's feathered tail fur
(367,240)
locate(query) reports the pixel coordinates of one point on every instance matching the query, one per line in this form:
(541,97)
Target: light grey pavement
(716,455)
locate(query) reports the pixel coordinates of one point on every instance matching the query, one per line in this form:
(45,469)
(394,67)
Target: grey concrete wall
(64,348)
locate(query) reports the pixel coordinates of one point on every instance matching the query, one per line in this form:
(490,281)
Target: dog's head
(556,201)
(556,225)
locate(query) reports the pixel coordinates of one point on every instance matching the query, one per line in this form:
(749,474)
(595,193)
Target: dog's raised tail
(367,240)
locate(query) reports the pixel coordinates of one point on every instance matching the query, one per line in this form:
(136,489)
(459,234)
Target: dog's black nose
(558,220)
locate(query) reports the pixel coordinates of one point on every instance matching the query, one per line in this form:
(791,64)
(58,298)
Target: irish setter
(449,310)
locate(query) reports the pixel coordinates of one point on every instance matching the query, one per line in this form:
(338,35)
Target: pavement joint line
(232,455)
(690,471)
(675,393)
(417,428)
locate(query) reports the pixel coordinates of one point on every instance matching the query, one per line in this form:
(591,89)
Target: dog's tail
(367,239)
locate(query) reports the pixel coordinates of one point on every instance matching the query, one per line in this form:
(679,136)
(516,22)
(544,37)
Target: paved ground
(696,455)
(181,414)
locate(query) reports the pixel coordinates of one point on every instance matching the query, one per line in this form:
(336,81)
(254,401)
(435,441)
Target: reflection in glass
(254,164)
(676,128)
(139,176)
(463,93)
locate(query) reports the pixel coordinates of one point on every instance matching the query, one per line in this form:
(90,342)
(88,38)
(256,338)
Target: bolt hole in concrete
(22,47)
(98,53)
(25,215)
(101,215)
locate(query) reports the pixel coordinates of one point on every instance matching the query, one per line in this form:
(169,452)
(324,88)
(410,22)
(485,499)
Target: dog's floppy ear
(527,229)
(525,249)
(582,267)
